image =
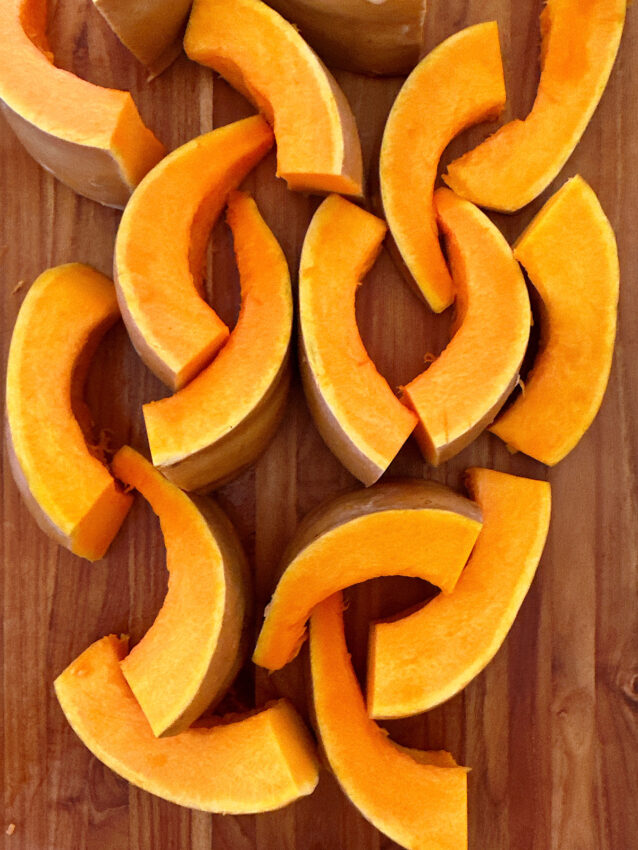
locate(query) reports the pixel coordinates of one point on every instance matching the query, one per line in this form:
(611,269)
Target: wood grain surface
(550,729)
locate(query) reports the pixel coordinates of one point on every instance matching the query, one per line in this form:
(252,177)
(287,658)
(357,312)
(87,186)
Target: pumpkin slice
(406,528)
(421,660)
(70,492)
(356,412)
(462,391)
(190,655)
(418,799)
(237,766)
(569,251)
(220,422)
(265,58)
(161,248)
(458,84)
(511,168)
(90,138)
(152,30)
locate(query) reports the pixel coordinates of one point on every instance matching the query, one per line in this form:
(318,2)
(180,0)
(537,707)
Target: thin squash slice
(68,489)
(407,528)
(356,412)
(264,57)
(458,84)
(580,40)
(237,765)
(89,137)
(459,395)
(221,422)
(161,248)
(418,661)
(569,252)
(417,798)
(188,658)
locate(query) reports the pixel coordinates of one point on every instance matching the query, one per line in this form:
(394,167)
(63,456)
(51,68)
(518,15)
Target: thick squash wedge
(417,798)
(421,660)
(236,766)
(220,422)
(459,395)
(356,412)
(569,252)
(70,492)
(458,84)
(192,652)
(265,58)
(407,528)
(161,247)
(90,138)
(580,39)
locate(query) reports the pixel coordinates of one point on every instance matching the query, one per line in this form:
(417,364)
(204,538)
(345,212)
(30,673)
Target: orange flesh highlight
(419,661)
(458,84)
(419,799)
(461,392)
(569,251)
(240,766)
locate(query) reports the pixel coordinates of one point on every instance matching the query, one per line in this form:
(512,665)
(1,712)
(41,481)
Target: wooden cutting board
(551,728)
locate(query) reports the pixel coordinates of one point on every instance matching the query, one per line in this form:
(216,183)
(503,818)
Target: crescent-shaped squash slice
(70,492)
(265,58)
(356,412)
(161,247)
(220,422)
(90,138)
(580,39)
(237,766)
(421,660)
(458,84)
(459,395)
(192,652)
(417,798)
(569,252)
(407,528)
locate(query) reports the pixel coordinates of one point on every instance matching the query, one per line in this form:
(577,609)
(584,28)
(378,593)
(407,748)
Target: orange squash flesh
(222,420)
(458,84)
(356,412)
(190,655)
(161,247)
(459,395)
(239,766)
(420,660)
(580,39)
(90,138)
(71,494)
(262,55)
(569,252)
(418,799)
(407,528)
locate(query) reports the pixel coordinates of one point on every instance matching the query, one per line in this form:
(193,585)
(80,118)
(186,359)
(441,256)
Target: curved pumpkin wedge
(458,84)
(356,412)
(70,492)
(511,168)
(161,247)
(407,528)
(459,395)
(90,138)
(190,655)
(569,252)
(238,766)
(419,799)
(421,660)
(220,422)
(260,54)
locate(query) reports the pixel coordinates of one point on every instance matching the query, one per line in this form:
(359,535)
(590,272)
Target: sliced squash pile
(140,711)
